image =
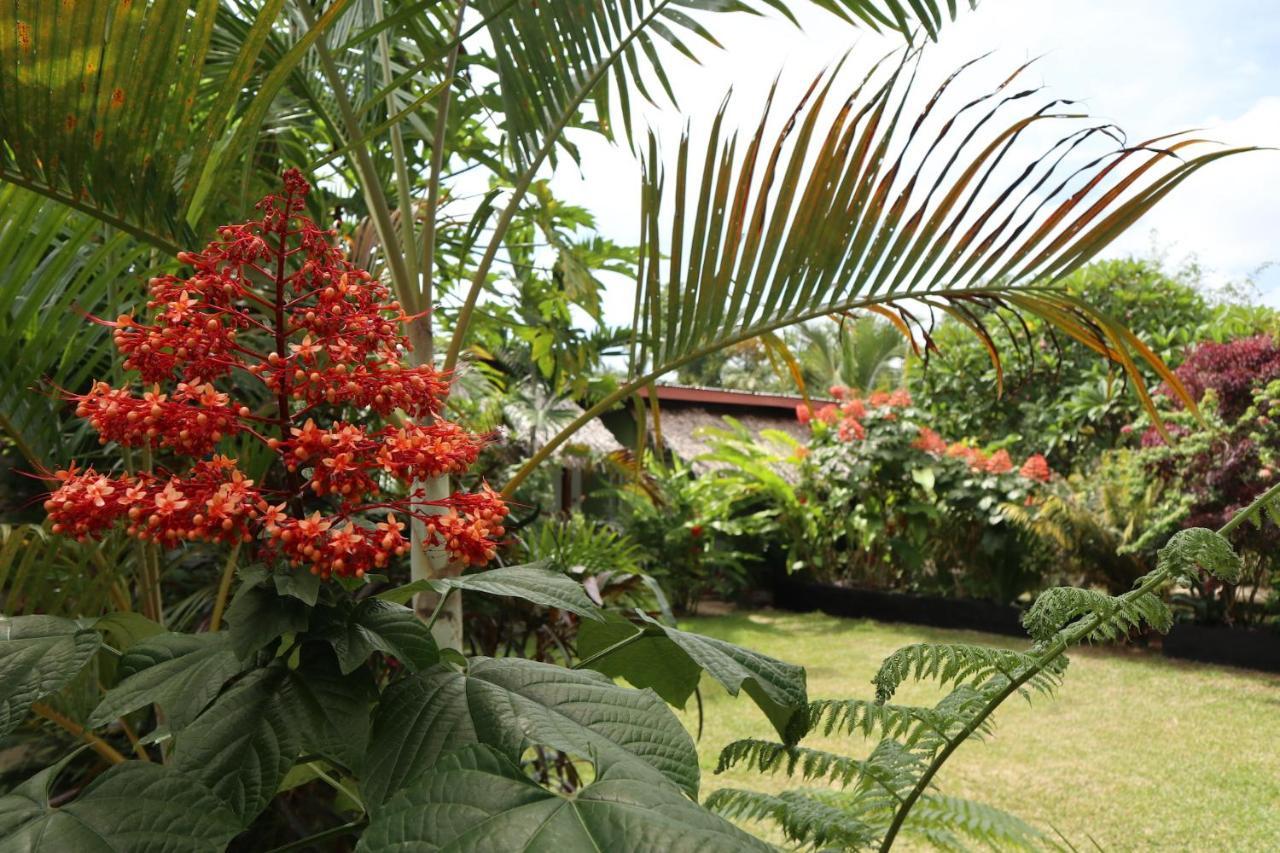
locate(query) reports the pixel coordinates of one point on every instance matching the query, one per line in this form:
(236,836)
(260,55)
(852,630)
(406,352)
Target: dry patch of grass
(1135,751)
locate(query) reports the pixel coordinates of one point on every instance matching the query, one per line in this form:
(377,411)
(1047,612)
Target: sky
(1150,67)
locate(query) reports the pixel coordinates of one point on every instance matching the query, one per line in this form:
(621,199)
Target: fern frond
(950,822)
(891,766)
(908,724)
(1056,608)
(804,818)
(955,663)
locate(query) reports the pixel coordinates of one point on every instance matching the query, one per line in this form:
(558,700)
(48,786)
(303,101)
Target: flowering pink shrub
(274,301)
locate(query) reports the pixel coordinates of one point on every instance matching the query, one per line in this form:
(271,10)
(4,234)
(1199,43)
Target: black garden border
(1257,649)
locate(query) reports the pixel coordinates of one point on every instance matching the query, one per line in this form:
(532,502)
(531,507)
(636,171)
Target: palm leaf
(55,576)
(547,53)
(59,264)
(872,209)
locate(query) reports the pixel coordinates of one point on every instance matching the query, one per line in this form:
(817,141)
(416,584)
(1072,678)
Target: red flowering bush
(901,507)
(274,300)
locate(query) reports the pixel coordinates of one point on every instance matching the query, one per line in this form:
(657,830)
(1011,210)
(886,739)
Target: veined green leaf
(136,806)
(671,662)
(476,799)
(510,704)
(39,655)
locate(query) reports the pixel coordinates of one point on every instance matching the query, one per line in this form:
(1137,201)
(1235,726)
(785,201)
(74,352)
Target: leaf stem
(96,743)
(310,840)
(608,650)
(224,589)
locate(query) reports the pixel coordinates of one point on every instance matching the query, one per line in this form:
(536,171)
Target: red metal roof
(724,397)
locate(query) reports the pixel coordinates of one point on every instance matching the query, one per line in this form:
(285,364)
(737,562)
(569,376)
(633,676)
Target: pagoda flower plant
(276,419)
(354,430)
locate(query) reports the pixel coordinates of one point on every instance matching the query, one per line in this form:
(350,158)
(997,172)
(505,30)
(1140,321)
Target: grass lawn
(1135,751)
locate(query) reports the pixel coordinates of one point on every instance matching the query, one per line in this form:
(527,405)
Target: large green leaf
(334,709)
(475,799)
(39,655)
(136,806)
(512,703)
(374,625)
(671,661)
(245,743)
(859,206)
(182,673)
(533,582)
(258,615)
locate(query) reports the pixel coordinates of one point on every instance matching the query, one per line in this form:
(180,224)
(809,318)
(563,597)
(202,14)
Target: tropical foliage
(242,663)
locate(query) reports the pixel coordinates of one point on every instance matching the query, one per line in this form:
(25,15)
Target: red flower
(326,341)
(999,463)
(930,442)
(803,413)
(1036,468)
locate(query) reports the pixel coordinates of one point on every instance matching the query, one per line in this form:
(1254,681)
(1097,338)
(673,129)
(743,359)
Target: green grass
(1135,751)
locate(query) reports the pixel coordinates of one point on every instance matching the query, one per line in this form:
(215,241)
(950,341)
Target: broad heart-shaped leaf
(532,582)
(475,799)
(334,709)
(376,625)
(258,615)
(510,704)
(39,655)
(670,662)
(245,743)
(136,806)
(181,673)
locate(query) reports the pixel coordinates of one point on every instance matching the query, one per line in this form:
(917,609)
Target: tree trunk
(427,561)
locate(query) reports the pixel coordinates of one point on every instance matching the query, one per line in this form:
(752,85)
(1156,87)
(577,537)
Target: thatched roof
(684,430)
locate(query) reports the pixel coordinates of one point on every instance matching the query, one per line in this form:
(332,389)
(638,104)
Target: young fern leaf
(1056,608)
(907,724)
(953,823)
(886,772)
(803,817)
(956,663)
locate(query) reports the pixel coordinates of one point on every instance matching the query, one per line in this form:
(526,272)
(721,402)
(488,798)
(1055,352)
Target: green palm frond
(550,55)
(874,209)
(55,576)
(59,264)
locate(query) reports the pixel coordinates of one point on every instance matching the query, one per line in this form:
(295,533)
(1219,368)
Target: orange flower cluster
(849,415)
(192,423)
(273,298)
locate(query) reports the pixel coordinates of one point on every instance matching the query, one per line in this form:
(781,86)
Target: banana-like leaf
(550,56)
(865,206)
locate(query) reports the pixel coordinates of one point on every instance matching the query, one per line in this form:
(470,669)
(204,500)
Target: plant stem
(433,192)
(435,614)
(608,650)
(1052,652)
(310,840)
(96,743)
(224,589)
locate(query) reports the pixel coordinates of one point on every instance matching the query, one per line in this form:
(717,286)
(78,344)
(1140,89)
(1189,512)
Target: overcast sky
(1151,67)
